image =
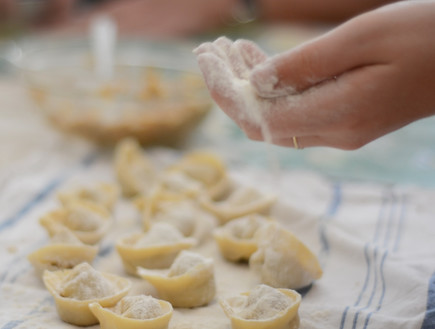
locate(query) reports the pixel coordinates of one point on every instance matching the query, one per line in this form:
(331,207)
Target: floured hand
(368,77)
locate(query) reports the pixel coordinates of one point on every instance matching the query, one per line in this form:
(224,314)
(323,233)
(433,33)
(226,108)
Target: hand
(368,77)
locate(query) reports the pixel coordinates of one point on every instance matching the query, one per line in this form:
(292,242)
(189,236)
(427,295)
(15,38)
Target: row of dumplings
(85,296)
(181,206)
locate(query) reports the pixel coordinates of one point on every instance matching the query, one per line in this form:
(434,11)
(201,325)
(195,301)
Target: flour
(184,262)
(139,307)
(83,283)
(263,303)
(160,234)
(227,68)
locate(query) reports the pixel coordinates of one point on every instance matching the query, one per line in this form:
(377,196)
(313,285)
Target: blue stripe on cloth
(429,318)
(43,194)
(400,225)
(381,299)
(368,272)
(381,218)
(323,220)
(374,289)
(15,323)
(12,324)
(8,269)
(394,219)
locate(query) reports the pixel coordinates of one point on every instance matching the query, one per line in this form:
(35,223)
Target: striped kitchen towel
(375,242)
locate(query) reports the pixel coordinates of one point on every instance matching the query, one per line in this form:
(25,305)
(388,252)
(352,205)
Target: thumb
(346,47)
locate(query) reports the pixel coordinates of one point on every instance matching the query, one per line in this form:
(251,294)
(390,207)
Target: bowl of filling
(153,91)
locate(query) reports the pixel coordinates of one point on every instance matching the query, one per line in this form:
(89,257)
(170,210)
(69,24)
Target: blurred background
(89,73)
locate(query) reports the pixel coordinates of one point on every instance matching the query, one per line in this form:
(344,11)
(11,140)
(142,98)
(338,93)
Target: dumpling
(156,248)
(282,260)
(241,202)
(263,307)
(206,168)
(190,281)
(104,194)
(236,239)
(64,252)
(185,214)
(179,184)
(73,290)
(134,172)
(134,312)
(87,220)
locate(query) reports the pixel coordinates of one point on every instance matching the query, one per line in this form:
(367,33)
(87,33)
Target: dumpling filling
(160,234)
(263,302)
(85,283)
(80,218)
(184,262)
(139,307)
(65,236)
(181,215)
(245,227)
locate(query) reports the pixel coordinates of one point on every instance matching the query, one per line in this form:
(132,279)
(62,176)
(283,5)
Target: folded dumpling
(156,248)
(177,183)
(134,171)
(104,194)
(236,239)
(263,307)
(185,214)
(134,312)
(73,290)
(282,260)
(190,281)
(207,169)
(64,251)
(87,220)
(241,202)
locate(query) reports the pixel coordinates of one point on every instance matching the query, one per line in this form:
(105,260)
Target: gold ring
(295,143)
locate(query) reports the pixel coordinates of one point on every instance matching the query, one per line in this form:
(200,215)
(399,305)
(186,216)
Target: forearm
(315,10)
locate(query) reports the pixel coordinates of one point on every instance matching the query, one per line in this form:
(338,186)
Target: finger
(251,53)
(303,142)
(347,113)
(202,48)
(347,47)
(229,95)
(231,53)
(220,47)
(224,44)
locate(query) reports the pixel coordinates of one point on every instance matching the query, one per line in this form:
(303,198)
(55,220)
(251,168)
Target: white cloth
(376,244)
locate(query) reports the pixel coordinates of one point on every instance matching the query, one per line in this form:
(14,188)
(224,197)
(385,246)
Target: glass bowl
(150,97)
